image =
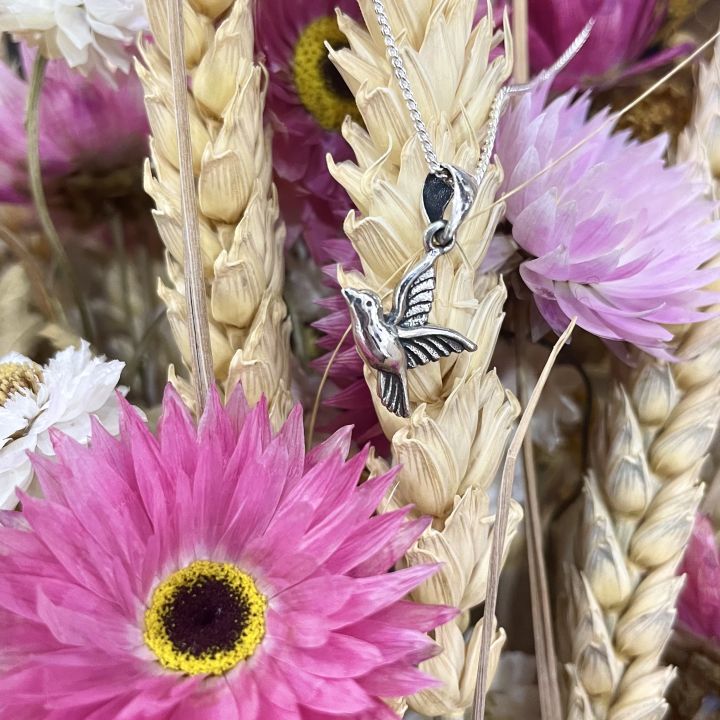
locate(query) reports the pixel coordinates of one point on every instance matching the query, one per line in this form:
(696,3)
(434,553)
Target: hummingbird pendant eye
(393,343)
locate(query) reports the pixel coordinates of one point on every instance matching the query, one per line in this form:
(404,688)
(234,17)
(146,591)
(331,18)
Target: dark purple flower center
(207,617)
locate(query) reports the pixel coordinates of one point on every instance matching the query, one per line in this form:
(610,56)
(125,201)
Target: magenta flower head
(699,604)
(609,234)
(619,46)
(307,102)
(623,32)
(93,142)
(212,572)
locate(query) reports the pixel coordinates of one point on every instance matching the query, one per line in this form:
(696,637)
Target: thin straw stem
(195,298)
(321,386)
(546,657)
(501,523)
(32,127)
(24,256)
(520,33)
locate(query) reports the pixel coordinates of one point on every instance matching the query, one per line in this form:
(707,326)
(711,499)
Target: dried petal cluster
(637,515)
(623,41)
(240,233)
(699,606)
(601,227)
(93,35)
(186,536)
(451,446)
(35,401)
(306,105)
(93,140)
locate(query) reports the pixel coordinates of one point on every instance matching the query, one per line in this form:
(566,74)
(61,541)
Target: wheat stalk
(451,447)
(241,236)
(640,500)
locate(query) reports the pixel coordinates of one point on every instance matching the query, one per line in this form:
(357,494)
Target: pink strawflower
(93,142)
(620,45)
(306,103)
(211,572)
(699,604)
(610,235)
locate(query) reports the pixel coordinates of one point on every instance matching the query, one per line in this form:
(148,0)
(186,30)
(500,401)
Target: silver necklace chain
(496,108)
(404,82)
(397,341)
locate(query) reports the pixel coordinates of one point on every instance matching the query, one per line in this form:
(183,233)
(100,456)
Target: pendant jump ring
(437,239)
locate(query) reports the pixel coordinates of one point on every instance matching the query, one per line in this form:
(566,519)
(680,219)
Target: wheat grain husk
(641,496)
(241,236)
(451,447)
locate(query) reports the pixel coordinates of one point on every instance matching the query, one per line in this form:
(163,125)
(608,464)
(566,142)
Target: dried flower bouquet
(359,359)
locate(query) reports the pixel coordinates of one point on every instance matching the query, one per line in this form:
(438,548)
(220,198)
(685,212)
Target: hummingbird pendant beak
(393,343)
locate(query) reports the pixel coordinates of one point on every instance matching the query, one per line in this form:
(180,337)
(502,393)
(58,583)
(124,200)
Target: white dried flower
(62,396)
(94,34)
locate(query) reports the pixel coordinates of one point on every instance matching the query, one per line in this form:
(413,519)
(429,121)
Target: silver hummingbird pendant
(393,343)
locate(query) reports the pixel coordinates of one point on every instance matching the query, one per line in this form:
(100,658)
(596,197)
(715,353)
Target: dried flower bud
(646,623)
(604,565)
(654,394)
(457,668)
(462,548)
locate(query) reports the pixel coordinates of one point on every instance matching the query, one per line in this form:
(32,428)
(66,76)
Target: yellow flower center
(320,87)
(205,618)
(15,377)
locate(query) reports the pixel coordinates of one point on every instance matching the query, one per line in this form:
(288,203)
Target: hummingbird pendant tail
(402,339)
(392,391)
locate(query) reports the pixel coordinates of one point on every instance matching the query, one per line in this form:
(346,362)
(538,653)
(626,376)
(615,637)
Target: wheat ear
(452,445)
(241,236)
(640,501)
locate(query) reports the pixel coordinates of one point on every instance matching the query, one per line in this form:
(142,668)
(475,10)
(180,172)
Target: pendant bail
(458,188)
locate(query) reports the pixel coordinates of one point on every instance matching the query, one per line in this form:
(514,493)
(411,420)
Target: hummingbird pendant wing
(423,343)
(393,343)
(430,343)
(415,340)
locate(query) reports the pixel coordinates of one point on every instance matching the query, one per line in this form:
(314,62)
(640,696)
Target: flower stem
(32,126)
(195,297)
(500,529)
(521,70)
(543,631)
(35,277)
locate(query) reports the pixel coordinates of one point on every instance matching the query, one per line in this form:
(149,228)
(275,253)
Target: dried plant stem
(520,28)
(501,520)
(34,275)
(197,317)
(546,657)
(321,386)
(217,210)
(32,126)
(545,654)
